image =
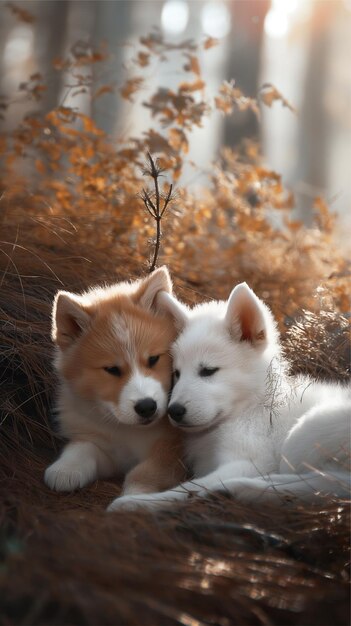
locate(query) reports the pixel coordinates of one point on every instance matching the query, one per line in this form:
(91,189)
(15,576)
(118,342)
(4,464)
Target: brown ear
(247,316)
(69,319)
(159,280)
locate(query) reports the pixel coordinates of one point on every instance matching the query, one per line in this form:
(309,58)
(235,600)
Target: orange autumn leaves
(62,167)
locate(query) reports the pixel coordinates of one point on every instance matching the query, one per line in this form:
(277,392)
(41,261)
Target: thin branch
(155,202)
(167,199)
(157,245)
(148,203)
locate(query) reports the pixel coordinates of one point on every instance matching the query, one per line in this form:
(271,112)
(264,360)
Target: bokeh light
(175,16)
(216,19)
(276,24)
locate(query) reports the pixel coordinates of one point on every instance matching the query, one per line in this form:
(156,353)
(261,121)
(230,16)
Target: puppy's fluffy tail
(291,488)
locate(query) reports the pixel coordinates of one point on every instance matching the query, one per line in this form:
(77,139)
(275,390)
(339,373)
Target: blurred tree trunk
(4,29)
(50,35)
(244,63)
(113,27)
(314,127)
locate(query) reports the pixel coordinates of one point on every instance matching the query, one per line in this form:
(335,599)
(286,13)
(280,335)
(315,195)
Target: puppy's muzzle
(177,412)
(146,409)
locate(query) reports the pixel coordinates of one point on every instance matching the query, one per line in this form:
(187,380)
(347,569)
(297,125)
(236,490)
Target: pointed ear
(167,303)
(69,319)
(247,317)
(159,280)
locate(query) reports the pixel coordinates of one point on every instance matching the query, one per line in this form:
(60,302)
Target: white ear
(169,304)
(69,319)
(247,317)
(150,286)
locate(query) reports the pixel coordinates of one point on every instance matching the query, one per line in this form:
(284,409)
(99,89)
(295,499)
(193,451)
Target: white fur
(101,445)
(79,464)
(138,387)
(253,431)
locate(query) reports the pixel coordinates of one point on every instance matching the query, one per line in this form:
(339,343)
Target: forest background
(245,106)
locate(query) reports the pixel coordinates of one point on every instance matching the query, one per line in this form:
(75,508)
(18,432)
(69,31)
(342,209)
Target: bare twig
(155,202)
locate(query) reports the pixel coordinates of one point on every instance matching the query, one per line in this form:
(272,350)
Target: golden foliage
(231,98)
(239,227)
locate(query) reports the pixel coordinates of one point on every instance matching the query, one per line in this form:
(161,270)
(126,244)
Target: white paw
(130,503)
(145,501)
(68,477)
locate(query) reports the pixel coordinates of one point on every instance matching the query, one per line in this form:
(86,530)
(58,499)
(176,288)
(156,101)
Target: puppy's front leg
(198,487)
(162,469)
(80,463)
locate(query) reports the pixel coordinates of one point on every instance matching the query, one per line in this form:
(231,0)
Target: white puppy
(252,430)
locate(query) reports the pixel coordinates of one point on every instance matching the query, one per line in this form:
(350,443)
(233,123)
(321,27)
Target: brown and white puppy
(115,369)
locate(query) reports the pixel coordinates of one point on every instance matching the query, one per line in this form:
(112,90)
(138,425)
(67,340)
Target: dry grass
(64,561)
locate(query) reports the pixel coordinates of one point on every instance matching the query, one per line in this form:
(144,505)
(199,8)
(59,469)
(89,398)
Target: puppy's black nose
(176,411)
(146,407)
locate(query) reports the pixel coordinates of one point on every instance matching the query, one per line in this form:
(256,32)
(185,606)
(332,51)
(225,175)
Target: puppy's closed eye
(152,360)
(114,370)
(205,372)
(176,375)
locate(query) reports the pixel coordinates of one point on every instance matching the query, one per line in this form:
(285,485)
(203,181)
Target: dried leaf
(152,41)
(178,140)
(231,98)
(22,14)
(192,65)
(102,90)
(131,87)
(197,85)
(143,59)
(269,94)
(322,216)
(210,42)
(85,54)
(157,143)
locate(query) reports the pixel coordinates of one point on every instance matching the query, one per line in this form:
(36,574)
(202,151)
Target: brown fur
(163,467)
(97,349)
(117,326)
